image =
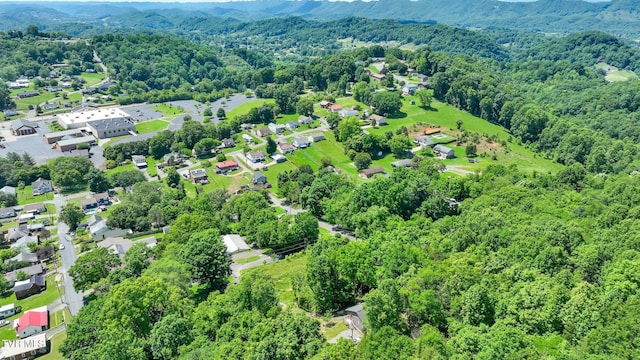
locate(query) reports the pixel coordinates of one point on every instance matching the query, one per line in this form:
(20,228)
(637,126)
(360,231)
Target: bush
(221,157)
(110,164)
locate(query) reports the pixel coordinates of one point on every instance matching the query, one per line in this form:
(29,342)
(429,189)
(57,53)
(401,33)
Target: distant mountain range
(618,17)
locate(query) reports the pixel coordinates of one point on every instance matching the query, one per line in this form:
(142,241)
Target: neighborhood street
(68,255)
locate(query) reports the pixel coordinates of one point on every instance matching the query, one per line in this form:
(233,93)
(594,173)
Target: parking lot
(41,151)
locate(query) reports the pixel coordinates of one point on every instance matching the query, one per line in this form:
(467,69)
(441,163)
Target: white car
(61,246)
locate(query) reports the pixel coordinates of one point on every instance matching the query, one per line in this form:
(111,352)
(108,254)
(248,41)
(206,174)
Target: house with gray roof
(23,127)
(8,190)
(6,213)
(258,178)
(401,163)
(41,186)
(444,152)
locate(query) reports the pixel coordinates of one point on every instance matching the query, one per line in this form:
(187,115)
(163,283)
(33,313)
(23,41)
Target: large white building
(79,119)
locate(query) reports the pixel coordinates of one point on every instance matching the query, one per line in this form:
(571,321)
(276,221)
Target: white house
(100,231)
(139,161)
(256,157)
(292,125)
(305,120)
(300,143)
(7,311)
(316,137)
(234,243)
(276,128)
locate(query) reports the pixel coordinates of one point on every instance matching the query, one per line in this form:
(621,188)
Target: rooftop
(76,141)
(36,317)
(91,115)
(108,124)
(27,345)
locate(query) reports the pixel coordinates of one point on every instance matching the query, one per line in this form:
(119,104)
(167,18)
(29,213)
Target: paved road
(69,256)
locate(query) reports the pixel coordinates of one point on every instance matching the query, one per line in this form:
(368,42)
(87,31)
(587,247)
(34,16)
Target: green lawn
(247,260)
(374,69)
(56,342)
(621,75)
(92,78)
(152,170)
(44,96)
(274,170)
(32,302)
(281,272)
(56,319)
(169,110)
(329,148)
(127,167)
(151,125)
(25,196)
(246,107)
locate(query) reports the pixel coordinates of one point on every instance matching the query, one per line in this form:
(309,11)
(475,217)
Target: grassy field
(56,342)
(92,78)
(621,75)
(445,116)
(151,125)
(329,148)
(22,104)
(25,196)
(56,319)
(231,182)
(169,110)
(281,272)
(374,69)
(274,170)
(246,107)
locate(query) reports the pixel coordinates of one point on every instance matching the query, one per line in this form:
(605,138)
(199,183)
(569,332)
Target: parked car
(4,323)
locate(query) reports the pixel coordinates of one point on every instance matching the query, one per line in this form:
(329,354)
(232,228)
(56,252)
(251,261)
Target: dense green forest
(527,266)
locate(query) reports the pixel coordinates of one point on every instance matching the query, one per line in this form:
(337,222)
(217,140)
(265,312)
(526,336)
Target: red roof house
(32,322)
(225,166)
(335,107)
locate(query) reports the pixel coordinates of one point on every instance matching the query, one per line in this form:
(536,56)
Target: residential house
(22,243)
(409,89)
(305,120)
(401,163)
(139,161)
(102,198)
(334,107)
(23,127)
(378,120)
(355,318)
(7,311)
(6,213)
(368,173)
(234,243)
(279,158)
(246,127)
(247,138)
(263,132)
(276,128)
(31,258)
(292,125)
(35,227)
(36,269)
(228,143)
(8,190)
(32,322)
(100,231)
(16,233)
(444,152)
(28,94)
(378,77)
(174,158)
(25,349)
(422,77)
(315,137)
(10,112)
(285,148)
(198,176)
(256,157)
(88,203)
(423,140)
(226,166)
(346,112)
(258,178)
(120,245)
(34,285)
(35,208)
(41,186)
(300,143)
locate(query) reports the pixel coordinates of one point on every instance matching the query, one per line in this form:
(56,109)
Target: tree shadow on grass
(398,115)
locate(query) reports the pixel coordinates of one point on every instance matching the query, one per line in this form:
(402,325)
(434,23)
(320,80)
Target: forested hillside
(618,17)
